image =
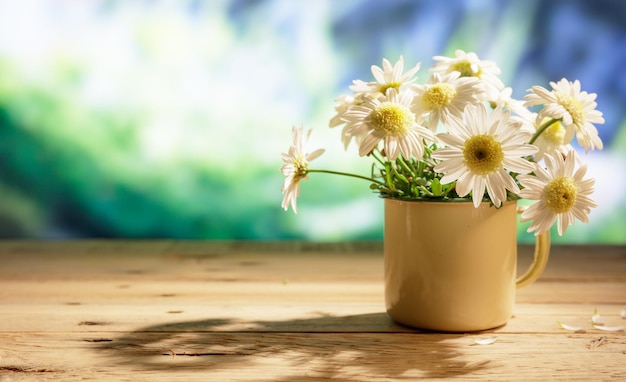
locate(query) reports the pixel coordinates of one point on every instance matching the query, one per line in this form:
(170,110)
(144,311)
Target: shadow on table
(323,347)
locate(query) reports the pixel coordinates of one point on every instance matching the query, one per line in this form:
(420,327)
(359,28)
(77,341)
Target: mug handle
(540,259)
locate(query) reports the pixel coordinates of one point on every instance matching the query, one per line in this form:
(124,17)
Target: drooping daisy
(344,104)
(386,77)
(480,148)
(576,108)
(551,140)
(296,166)
(505,99)
(561,194)
(390,120)
(469,65)
(444,96)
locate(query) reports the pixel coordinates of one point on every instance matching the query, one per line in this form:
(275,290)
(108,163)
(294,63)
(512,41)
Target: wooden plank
(215,311)
(212,261)
(279,316)
(269,356)
(74,292)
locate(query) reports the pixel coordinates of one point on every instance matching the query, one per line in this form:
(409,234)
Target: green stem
(542,128)
(347,174)
(378,158)
(405,166)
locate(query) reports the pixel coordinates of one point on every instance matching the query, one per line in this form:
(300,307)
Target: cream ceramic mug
(452,267)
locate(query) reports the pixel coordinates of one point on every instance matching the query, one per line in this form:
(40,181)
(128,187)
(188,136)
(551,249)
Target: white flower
(576,108)
(296,166)
(445,96)
(469,65)
(480,148)
(344,103)
(389,77)
(562,194)
(551,140)
(504,98)
(388,119)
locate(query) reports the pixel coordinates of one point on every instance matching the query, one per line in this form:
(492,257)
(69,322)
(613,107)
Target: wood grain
(289,311)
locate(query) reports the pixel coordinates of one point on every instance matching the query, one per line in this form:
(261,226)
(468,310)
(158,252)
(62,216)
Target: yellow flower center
(392,119)
(554,133)
(301,169)
(466,69)
(395,85)
(483,154)
(560,194)
(573,106)
(438,95)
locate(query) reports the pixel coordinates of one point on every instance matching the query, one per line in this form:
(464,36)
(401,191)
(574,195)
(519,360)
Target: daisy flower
(562,194)
(504,98)
(387,77)
(343,105)
(296,166)
(576,109)
(469,65)
(444,96)
(551,140)
(388,119)
(480,148)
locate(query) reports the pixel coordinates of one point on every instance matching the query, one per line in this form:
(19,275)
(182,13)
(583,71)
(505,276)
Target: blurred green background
(166,119)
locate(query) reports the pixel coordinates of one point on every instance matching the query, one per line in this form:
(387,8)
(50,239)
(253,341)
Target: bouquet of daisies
(462,136)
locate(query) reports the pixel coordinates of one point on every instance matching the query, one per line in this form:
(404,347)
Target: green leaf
(435,186)
(402,178)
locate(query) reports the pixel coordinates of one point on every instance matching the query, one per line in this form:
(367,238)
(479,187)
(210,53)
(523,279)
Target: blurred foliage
(72,172)
(152,119)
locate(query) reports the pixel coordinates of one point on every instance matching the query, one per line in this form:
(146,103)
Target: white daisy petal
(518,165)
(496,194)
(596,318)
(478,189)
(315,154)
(451,140)
(577,329)
(485,341)
(463,185)
(609,328)
(533,181)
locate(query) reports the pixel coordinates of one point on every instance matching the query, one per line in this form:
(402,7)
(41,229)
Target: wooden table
(232,311)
